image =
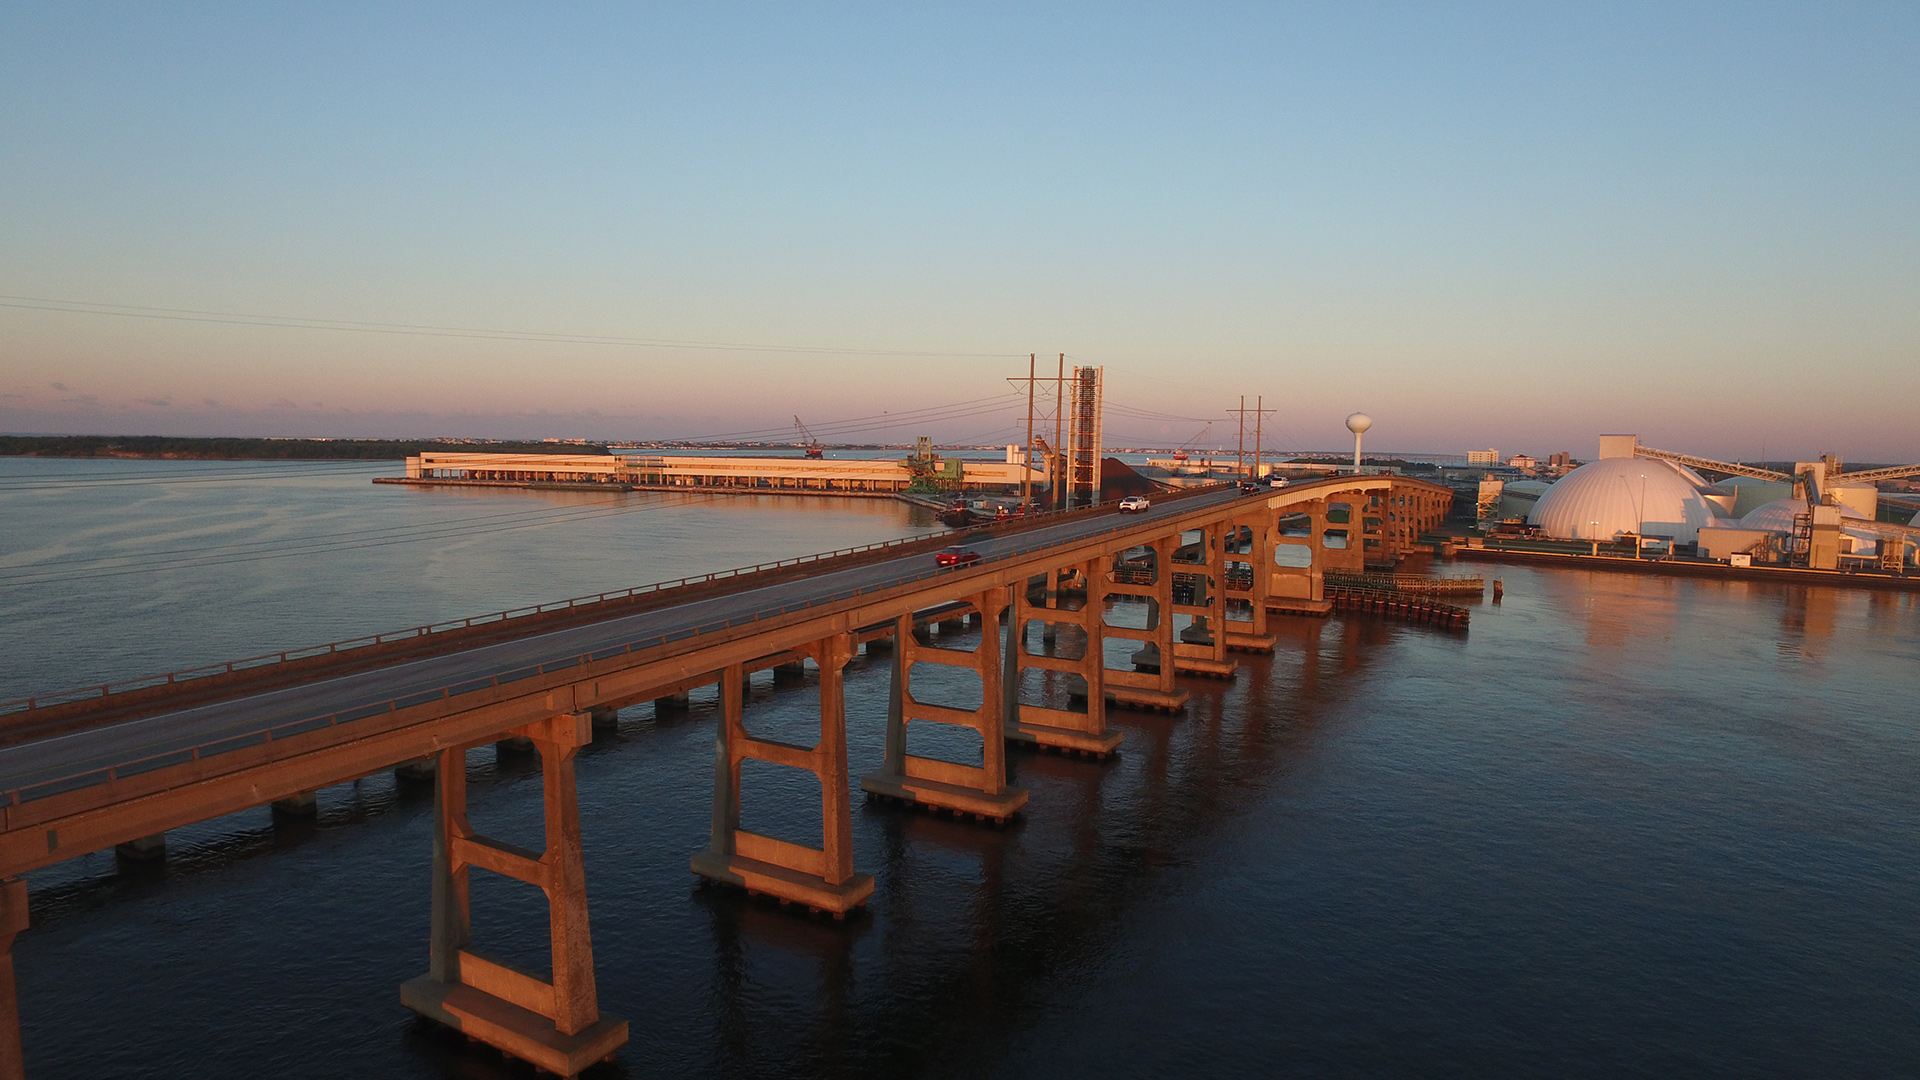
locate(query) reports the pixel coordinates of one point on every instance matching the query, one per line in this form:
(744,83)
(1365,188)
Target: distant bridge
(122,763)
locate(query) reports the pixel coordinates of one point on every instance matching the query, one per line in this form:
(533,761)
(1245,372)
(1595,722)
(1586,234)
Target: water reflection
(973,929)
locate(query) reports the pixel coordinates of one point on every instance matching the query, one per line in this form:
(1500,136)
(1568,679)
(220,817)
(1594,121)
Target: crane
(807,442)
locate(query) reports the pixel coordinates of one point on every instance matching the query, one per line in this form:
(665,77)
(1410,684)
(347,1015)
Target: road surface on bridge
(76,753)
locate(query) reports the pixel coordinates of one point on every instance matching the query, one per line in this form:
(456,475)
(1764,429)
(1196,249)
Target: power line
(233,318)
(925,414)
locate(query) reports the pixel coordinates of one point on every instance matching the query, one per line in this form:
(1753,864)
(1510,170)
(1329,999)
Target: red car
(956,556)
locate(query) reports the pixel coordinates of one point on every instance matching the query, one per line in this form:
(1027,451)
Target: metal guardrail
(65,697)
(136,766)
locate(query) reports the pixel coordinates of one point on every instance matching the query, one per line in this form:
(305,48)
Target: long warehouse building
(878,477)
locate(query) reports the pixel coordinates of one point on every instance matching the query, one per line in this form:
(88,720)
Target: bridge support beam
(556,1025)
(1149,685)
(1252,584)
(823,878)
(13,919)
(980,790)
(1202,648)
(1086,732)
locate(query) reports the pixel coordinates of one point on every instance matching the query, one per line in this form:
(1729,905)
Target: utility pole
(1026,454)
(1059,418)
(1240,449)
(1259,412)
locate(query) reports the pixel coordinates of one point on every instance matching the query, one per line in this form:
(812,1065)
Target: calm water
(1626,826)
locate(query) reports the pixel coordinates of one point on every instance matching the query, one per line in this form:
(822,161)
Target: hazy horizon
(1487,226)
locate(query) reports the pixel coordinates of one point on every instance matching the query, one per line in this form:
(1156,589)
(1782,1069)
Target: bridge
(1189,581)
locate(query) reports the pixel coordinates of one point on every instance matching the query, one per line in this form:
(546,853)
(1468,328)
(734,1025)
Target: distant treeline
(164,446)
(1385,463)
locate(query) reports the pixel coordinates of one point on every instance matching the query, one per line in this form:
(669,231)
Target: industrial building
(1817,516)
(881,476)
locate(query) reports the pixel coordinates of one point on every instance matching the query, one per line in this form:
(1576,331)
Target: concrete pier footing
(604,718)
(145,849)
(303,804)
(518,744)
(790,673)
(671,703)
(419,770)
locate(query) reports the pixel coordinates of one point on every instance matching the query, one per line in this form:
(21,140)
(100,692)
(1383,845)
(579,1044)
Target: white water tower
(1358,423)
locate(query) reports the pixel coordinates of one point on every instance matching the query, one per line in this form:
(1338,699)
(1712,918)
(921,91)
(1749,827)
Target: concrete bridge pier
(143,849)
(604,717)
(821,878)
(1257,573)
(553,1025)
(1061,729)
(1202,646)
(1150,684)
(794,672)
(301,804)
(13,919)
(980,790)
(671,703)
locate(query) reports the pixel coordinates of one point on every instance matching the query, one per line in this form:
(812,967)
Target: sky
(1511,226)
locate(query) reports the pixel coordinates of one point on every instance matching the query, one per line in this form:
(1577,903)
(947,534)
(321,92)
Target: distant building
(1522,461)
(1562,460)
(1483,457)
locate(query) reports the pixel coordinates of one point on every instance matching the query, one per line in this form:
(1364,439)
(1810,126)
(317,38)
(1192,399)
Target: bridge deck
(56,763)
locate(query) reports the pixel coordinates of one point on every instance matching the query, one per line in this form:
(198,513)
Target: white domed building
(1777,516)
(1603,499)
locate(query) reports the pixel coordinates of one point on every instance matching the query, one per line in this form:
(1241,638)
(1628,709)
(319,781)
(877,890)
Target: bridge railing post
(554,1025)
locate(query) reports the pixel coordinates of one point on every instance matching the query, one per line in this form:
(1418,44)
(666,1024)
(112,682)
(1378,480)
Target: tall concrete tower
(1084,438)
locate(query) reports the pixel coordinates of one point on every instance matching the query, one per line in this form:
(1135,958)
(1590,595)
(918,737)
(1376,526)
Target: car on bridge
(1133,504)
(957,555)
